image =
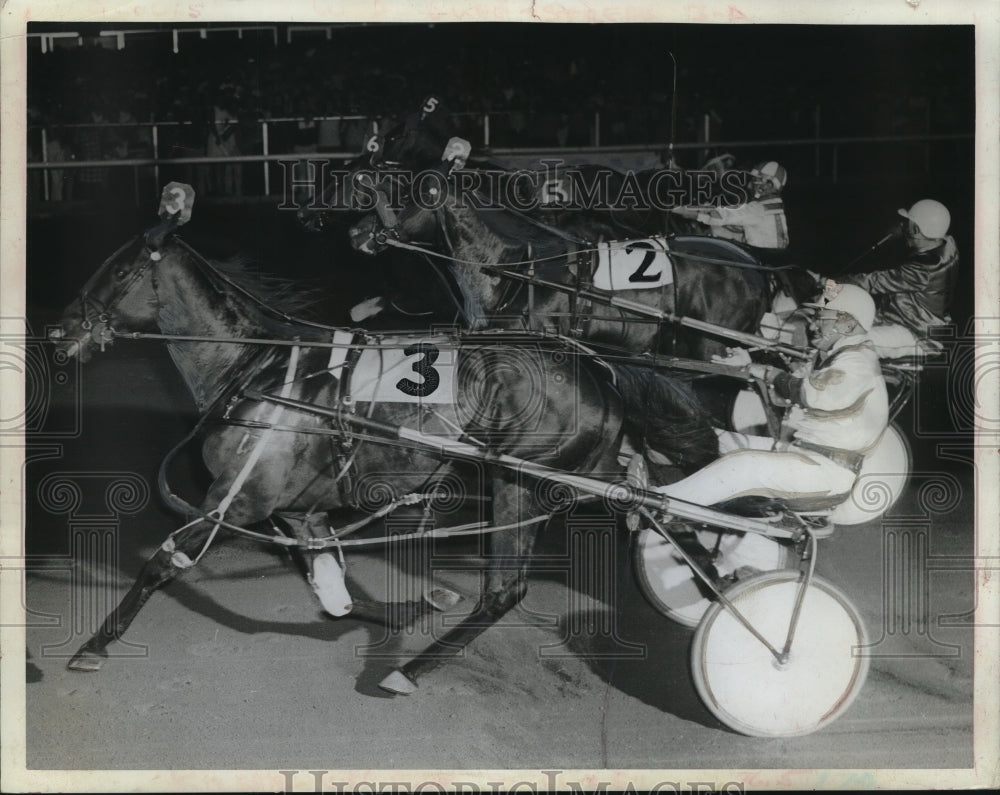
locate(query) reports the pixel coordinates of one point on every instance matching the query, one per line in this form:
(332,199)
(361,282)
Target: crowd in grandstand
(541,86)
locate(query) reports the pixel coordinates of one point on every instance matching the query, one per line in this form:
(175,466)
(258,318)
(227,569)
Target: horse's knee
(165,564)
(498,601)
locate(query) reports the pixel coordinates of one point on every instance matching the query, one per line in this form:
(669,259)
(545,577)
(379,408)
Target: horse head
(417,219)
(121,291)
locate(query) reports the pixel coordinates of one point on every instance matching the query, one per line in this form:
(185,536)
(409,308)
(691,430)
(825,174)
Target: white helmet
(932,218)
(772,172)
(850,299)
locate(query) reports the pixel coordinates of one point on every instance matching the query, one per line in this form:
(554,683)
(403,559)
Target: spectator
(96,141)
(60,179)
(223,141)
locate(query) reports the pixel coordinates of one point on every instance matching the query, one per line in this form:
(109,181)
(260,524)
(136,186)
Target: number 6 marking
(640,274)
(423,368)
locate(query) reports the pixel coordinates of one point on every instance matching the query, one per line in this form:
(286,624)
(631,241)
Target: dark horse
(530,397)
(408,283)
(403,148)
(581,203)
(712,280)
(412,143)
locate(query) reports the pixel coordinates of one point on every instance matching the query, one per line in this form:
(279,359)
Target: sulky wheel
(672,587)
(881,482)
(741,681)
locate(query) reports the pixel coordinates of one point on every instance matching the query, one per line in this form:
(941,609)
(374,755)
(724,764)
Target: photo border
(983,14)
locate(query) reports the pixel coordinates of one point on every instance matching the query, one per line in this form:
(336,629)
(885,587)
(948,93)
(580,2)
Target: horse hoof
(399,683)
(86,661)
(441,598)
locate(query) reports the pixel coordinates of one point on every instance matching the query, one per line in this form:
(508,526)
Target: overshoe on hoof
(441,598)
(399,683)
(86,661)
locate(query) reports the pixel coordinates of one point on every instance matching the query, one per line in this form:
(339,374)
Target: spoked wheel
(742,682)
(672,587)
(881,482)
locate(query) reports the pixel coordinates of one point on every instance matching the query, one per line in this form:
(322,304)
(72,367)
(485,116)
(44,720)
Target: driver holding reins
(838,412)
(915,296)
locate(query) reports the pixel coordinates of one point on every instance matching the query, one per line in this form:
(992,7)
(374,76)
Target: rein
(625,305)
(397,243)
(335,539)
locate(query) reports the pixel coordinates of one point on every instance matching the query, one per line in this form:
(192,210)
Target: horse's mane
(283,295)
(515,229)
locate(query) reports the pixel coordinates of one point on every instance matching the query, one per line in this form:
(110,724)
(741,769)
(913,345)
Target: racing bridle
(97,313)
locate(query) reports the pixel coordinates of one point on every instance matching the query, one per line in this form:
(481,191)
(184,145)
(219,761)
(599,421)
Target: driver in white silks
(838,412)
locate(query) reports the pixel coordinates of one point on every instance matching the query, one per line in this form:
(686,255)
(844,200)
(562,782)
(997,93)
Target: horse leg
(506,585)
(172,558)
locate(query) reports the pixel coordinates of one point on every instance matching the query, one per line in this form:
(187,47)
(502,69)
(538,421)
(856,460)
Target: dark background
(542,84)
(763,81)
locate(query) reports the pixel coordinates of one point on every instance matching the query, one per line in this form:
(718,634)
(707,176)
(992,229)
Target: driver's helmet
(847,298)
(770,173)
(931,217)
